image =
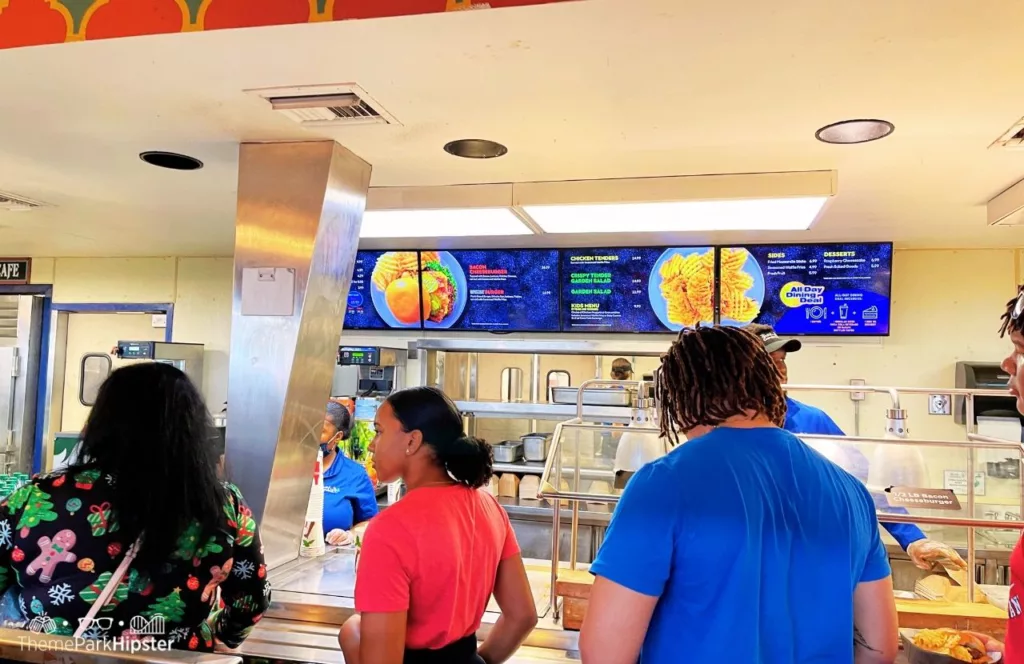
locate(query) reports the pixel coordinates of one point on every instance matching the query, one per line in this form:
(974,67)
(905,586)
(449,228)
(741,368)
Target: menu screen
(385,291)
(650,289)
(494,291)
(831,289)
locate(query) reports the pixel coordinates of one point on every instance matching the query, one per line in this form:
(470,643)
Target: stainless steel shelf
(537,468)
(542,411)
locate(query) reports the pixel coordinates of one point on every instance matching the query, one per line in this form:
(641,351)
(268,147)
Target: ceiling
(594,89)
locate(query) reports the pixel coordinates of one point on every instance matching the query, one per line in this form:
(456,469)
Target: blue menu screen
(643,290)
(808,289)
(385,292)
(495,291)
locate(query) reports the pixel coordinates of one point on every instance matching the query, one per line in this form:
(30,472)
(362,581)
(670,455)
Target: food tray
(593,396)
(508,452)
(917,655)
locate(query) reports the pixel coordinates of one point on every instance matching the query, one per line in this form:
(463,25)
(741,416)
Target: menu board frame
(560,280)
(822,245)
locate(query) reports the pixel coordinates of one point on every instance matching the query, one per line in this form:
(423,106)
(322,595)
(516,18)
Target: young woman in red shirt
(431,561)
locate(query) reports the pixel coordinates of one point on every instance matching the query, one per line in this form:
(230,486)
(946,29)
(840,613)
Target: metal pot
(536,446)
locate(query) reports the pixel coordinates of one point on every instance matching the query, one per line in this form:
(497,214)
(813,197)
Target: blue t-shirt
(802,418)
(741,534)
(349,497)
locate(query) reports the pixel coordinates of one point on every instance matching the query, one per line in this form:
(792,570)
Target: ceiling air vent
(326,106)
(1012,138)
(12,203)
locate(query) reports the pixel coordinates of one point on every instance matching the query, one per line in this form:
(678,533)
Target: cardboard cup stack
(313,544)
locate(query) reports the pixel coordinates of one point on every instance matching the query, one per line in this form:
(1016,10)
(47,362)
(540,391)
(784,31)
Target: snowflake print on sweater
(60,593)
(82,502)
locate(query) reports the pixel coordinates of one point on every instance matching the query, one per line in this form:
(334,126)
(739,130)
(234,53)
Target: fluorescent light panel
(455,222)
(762,214)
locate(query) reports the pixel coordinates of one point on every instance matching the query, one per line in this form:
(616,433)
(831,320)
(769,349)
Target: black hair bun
(469,460)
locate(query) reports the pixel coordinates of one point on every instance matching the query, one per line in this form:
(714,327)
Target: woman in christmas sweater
(63,536)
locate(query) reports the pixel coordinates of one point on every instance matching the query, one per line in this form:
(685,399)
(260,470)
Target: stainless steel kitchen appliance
(369,371)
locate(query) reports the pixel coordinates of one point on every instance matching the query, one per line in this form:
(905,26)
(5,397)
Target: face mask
(325,448)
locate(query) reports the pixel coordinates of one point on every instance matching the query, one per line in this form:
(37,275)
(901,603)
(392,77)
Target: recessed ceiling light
(459,222)
(848,132)
(172,160)
(475,148)
(774,214)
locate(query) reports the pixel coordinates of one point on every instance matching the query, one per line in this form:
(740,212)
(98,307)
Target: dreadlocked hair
(713,373)
(1011,324)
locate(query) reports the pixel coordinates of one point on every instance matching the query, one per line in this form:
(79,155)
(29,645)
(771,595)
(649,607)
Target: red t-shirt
(434,554)
(1015,626)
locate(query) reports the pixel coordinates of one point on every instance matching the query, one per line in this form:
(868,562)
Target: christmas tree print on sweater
(170,607)
(37,507)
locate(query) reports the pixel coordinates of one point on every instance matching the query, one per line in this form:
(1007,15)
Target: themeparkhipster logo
(138,637)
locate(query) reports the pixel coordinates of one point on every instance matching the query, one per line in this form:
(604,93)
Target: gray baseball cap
(773,342)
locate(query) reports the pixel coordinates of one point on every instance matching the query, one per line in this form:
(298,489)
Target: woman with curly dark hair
(723,545)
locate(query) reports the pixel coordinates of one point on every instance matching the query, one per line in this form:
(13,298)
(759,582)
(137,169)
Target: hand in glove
(925,553)
(338,537)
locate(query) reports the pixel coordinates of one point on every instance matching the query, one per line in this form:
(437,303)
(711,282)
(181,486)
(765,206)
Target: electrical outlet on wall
(857,382)
(939,404)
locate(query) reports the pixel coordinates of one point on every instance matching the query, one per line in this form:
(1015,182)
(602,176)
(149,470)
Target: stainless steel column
(300,207)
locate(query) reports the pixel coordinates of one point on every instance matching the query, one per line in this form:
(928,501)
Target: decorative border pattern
(38,22)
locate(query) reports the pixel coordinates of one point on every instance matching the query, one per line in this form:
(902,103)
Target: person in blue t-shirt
(744,544)
(802,418)
(349,497)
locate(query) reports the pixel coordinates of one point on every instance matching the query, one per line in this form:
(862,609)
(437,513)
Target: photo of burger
(444,289)
(408,287)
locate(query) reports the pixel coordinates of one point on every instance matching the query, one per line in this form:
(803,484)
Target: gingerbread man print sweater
(59,545)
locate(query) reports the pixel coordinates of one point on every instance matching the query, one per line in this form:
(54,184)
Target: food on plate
(404,299)
(688,287)
(736,305)
(439,289)
(394,265)
(959,645)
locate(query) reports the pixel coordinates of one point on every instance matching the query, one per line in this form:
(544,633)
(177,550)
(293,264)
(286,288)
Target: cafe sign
(15,271)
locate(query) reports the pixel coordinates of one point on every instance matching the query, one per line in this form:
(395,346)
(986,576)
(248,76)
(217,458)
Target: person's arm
(616,623)
(875,626)
(382,595)
(515,599)
(246,590)
(875,634)
(632,568)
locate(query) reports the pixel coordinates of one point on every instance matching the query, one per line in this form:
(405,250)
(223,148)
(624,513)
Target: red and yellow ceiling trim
(37,22)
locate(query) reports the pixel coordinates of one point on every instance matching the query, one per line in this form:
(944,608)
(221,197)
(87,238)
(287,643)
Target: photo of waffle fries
(736,304)
(397,293)
(688,287)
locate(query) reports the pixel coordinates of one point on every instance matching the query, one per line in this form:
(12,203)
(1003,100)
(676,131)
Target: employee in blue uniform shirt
(349,497)
(802,418)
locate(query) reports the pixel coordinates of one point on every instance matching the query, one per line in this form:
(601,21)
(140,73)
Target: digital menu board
(493,291)
(637,290)
(830,289)
(385,291)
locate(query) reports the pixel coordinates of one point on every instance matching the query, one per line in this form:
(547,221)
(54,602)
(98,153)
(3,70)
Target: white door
(97,334)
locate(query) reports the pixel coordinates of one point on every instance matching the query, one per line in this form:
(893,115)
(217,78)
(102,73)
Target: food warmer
(955,514)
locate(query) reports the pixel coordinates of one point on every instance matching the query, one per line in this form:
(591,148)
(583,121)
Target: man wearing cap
(803,418)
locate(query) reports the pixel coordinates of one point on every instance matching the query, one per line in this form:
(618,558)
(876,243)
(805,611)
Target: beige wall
(199,288)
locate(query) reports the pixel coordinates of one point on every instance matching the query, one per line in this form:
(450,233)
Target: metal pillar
(300,207)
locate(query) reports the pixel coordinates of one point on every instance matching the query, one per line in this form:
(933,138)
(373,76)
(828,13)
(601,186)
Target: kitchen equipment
(511,385)
(593,396)
(508,452)
(639,444)
(1003,470)
(536,445)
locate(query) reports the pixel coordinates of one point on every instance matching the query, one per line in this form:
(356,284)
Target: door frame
(50,399)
